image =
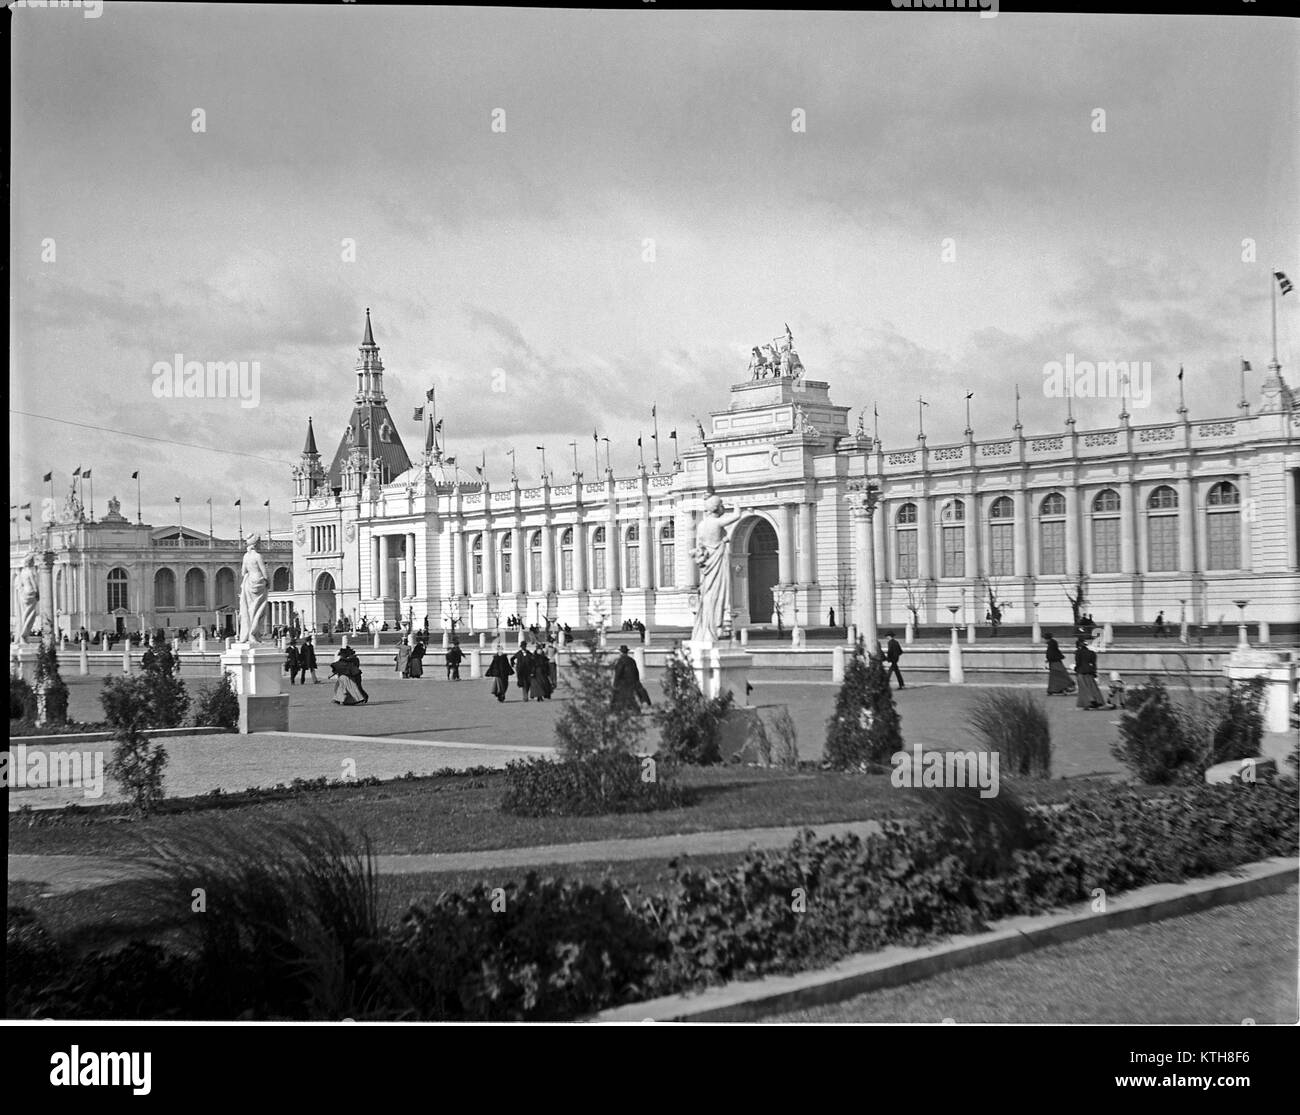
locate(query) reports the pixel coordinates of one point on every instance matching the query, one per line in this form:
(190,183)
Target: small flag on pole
(672,435)
(77,472)
(419,414)
(428,395)
(1245,365)
(1180,373)
(1283,282)
(135,475)
(267,503)
(239,503)
(638,443)
(47,477)
(970,394)
(176,498)
(86,475)
(437,429)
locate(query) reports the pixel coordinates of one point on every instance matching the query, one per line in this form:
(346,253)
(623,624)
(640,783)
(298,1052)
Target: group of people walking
(298,660)
(1085,671)
(535,668)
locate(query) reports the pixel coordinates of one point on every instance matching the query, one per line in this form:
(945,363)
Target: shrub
(22,700)
(590,722)
(1013,723)
(599,783)
(689,723)
(137,765)
(217,705)
(1240,728)
(1151,741)
(545,949)
(166,695)
(865,729)
(292,911)
(51,689)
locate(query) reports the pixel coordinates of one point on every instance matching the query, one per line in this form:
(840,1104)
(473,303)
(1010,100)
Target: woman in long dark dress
(1085,668)
(499,671)
(1058,680)
(415,668)
(403,659)
(539,679)
(346,669)
(523,662)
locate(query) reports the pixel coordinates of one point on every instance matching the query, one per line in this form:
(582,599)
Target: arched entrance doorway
(763,570)
(325,602)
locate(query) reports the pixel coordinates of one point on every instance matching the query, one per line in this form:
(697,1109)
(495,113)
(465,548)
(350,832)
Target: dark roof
(369,338)
(391,454)
(310,447)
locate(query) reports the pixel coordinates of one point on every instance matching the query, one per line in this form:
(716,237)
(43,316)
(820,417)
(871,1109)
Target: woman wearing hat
(1085,669)
(1058,681)
(346,669)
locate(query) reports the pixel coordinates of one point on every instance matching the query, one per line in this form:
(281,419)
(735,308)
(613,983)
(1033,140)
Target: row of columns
(383,550)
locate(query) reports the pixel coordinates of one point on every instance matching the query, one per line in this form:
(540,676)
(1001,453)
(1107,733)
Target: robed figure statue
(711,554)
(28,592)
(254,592)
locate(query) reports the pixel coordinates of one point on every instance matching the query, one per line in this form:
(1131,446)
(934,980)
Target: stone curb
(751,1000)
(103,737)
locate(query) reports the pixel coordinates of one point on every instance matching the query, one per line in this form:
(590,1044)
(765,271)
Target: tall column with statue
(863,496)
(255,666)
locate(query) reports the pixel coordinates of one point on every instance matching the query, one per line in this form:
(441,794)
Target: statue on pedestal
(254,593)
(711,555)
(28,592)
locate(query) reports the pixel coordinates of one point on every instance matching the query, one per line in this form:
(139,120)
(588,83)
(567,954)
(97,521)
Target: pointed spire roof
(368,341)
(310,447)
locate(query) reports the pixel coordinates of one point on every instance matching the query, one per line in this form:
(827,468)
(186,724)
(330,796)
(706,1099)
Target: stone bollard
(853,634)
(229,642)
(638,656)
(126,656)
(375,641)
(83,659)
(203,641)
(482,639)
(604,640)
(837,664)
(909,634)
(796,637)
(744,636)
(1263,632)
(1107,633)
(476,663)
(343,640)
(104,644)
(970,632)
(1036,633)
(956,675)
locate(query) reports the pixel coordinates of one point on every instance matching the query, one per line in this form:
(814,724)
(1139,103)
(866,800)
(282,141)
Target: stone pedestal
(263,704)
(1279,673)
(909,634)
(476,661)
(638,656)
(22,661)
(103,643)
(83,660)
(956,675)
(853,634)
(126,656)
(1264,634)
(375,641)
(203,641)
(719,668)
(482,640)
(343,640)
(797,637)
(837,665)
(1036,633)
(970,632)
(744,636)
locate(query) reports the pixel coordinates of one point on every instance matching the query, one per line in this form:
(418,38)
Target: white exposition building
(1183,517)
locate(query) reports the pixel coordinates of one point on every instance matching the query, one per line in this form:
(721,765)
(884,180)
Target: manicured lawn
(460,812)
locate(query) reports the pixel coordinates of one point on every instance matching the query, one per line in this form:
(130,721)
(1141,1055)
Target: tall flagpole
(268,520)
(139,512)
(608,467)
(210,530)
(1272,289)
(92,495)
(654,414)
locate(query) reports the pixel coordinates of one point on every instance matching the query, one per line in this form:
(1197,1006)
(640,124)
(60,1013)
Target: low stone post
(837,665)
(83,660)
(956,675)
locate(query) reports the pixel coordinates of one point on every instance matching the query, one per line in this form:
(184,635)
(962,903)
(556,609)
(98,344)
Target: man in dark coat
(307,661)
(893,652)
(499,671)
(523,664)
(292,661)
(629,693)
(454,657)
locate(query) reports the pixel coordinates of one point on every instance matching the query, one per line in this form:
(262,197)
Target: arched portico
(755,565)
(326,604)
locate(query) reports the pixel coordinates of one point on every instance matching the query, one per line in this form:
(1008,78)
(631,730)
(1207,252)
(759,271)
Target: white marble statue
(712,544)
(28,593)
(254,592)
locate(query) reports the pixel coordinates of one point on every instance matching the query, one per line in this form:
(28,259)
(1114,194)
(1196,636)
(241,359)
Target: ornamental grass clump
(1013,724)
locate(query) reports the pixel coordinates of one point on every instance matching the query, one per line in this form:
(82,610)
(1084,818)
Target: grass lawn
(459,812)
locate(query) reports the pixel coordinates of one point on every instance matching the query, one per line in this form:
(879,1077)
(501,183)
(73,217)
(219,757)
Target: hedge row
(553,949)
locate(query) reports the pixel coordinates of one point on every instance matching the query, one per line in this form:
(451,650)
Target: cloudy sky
(525,250)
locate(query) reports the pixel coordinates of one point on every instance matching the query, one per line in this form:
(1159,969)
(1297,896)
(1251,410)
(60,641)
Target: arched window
(535,561)
(1051,535)
(566,559)
(117,594)
(952,517)
(476,564)
(632,559)
(196,589)
(281,581)
(1164,498)
(1105,531)
(905,543)
(164,589)
(1162,530)
(668,555)
(1223,526)
(1002,539)
(598,558)
(507,562)
(225,588)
